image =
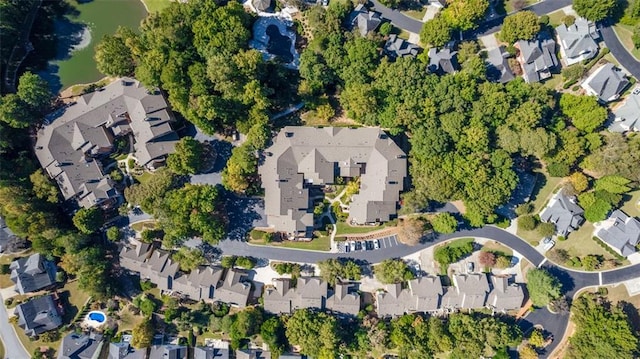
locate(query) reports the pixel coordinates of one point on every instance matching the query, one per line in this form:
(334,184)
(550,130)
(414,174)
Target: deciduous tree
(542,286)
(187,158)
(392,271)
(88,220)
(436,32)
(595,10)
(522,25)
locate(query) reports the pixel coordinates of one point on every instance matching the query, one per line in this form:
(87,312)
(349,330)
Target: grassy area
(632,204)
(625,34)
(580,243)
(155,5)
(544,190)
(496,247)
(609,57)
(529,236)
(345,229)
(619,293)
(554,82)
(555,18)
(416,14)
(144,177)
(509,4)
(1,349)
(317,244)
(141,226)
(5,281)
(459,242)
(128,320)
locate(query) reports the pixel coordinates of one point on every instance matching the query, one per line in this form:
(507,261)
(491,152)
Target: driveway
(397,18)
(12,345)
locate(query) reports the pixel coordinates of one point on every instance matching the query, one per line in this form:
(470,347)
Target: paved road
(397,18)
(619,51)
(12,346)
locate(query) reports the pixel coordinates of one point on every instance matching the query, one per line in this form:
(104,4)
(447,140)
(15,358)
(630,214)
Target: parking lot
(368,245)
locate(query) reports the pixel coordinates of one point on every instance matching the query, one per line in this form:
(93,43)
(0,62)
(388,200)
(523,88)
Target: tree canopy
(334,268)
(88,220)
(189,258)
(113,56)
(444,223)
(523,25)
(315,333)
(392,271)
(187,158)
(585,112)
(436,32)
(543,287)
(595,10)
(465,14)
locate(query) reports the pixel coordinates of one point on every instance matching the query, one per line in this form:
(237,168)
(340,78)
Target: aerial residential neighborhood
(319,179)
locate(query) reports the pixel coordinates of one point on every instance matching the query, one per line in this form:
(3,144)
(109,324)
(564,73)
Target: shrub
(256,234)
(245,262)
(569,20)
(546,229)
(447,254)
(4,269)
(525,208)
(487,259)
(527,223)
(146,285)
(544,20)
(385,29)
(269,237)
(503,223)
(608,249)
(131,163)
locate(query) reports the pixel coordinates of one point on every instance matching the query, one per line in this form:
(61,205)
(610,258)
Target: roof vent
(288,134)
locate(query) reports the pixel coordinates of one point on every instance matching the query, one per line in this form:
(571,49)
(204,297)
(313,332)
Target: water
(79,33)
(97,316)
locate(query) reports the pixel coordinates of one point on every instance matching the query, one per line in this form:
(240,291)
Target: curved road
(572,280)
(12,346)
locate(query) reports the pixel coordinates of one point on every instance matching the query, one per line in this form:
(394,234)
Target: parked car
(548,243)
(376,244)
(347,248)
(369,245)
(353,245)
(358,245)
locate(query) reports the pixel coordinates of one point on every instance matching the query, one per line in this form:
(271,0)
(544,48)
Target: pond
(79,33)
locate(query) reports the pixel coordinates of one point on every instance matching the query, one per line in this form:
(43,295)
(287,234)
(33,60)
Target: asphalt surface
(12,346)
(620,52)
(397,18)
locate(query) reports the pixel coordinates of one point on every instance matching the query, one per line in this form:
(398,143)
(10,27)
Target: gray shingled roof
(168,351)
(263,5)
(38,315)
(627,116)
(200,283)
(365,20)
(504,296)
(607,82)
(537,57)
(253,354)
(577,40)
(620,232)
(343,299)
(307,155)
(499,69)
(473,289)
(235,288)
(210,353)
(33,273)
(310,292)
(123,350)
(85,130)
(80,346)
(443,61)
(563,212)
(422,294)
(396,47)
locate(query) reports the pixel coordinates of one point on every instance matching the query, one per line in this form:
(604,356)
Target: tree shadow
(563,276)
(243,213)
(632,314)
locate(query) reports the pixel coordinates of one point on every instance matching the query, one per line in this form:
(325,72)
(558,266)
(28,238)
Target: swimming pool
(95,318)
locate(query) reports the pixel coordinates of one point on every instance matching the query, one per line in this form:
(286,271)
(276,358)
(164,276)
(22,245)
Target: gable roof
(365,20)
(80,346)
(422,294)
(443,61)
(32,273)
(577,40)
(620,232)
(504,296)
(499,69)
(627,116)
(38,315)
(263,5)
(343,299)
(396,47)
(473,289)
(168,351)
(235,288)
(253,354)
(606,83)
(563,212)
(123,350)
(537,57)
(200,283)
(302,155)
(210,353)
(68,147)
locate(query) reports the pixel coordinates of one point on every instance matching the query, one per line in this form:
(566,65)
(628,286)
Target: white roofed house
(620,232)
(71,147)
(578,41)
(606,83)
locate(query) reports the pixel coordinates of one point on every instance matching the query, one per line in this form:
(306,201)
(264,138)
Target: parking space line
(395,239)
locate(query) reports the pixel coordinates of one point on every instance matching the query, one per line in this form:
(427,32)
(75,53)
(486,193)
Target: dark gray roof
(563,212)
(155,265)
(38,315)
(123,350)
(168,351)
(443,61)
(537,57)
(606,83)
(365,20)
(343,299)
(80,346)
(620,232)
(396,47)
(263,5)
(577,40)
(308,155)
(32,273)
(210,353)
(253,354)
(499,69)
(505,296)
(627,116)
(85,130)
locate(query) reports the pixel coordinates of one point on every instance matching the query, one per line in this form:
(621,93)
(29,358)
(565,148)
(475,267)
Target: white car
(376,244)
(548,243)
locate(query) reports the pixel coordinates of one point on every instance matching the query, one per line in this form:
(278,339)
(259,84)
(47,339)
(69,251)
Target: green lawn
(544,190)
(345,229)
(140,226)
(553,82)
(625,34)
(580,243)
(416,14)
(632,204)
(493,246)
(144,177)
(459,242)
(317,244)
(508,4)
(555,18)
(156,5)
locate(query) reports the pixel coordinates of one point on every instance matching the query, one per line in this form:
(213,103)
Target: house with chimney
(422,294)
(564,212)
(620,232)
(33,273)
(537,58)
(577,41)
(80,346)
(39,315)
